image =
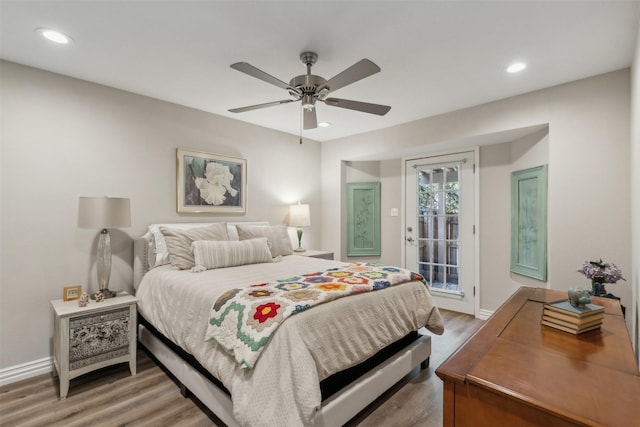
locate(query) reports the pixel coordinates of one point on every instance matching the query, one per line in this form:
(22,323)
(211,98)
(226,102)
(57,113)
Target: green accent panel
(529,222)
(363,218)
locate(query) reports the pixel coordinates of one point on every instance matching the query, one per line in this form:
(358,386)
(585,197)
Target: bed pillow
(279,241)
(158,253)
(179,242)
(232,232)
(211,254)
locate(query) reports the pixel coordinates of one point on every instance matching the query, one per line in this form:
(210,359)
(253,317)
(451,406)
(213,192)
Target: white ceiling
(435,56)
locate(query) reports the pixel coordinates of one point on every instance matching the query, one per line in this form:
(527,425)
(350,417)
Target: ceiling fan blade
(259,74)
(358,71)
(365,107)
(258,106)
(309,119)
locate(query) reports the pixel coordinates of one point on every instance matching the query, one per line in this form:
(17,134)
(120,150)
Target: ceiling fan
(309,88)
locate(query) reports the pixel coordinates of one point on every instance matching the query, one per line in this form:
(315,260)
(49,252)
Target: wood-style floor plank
(417,399)
(112,397)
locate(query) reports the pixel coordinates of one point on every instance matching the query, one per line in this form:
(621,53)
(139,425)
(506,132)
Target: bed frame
(336,409)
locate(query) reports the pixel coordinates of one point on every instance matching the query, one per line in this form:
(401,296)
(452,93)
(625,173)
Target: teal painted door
(363,219)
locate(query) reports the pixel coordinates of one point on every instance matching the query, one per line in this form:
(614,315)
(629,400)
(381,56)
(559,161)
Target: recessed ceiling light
(324,124)
(516,67)
(54,36)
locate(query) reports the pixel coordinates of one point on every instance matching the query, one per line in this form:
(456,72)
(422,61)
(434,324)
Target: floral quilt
(242,320)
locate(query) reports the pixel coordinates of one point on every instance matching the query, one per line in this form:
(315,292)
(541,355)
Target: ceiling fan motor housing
(307,83)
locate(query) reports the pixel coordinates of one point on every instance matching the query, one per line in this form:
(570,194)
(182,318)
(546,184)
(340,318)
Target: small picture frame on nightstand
(71,293)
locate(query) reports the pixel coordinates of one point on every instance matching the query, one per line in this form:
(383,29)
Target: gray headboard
(141,244)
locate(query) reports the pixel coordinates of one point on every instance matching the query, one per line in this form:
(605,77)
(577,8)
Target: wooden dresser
(515,372)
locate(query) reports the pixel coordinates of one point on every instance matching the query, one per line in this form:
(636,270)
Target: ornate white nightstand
(92,337)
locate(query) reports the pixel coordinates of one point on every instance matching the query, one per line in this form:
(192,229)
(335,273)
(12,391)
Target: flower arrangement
(606,272)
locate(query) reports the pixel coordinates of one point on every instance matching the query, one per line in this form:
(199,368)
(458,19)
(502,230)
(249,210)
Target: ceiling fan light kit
(308,88)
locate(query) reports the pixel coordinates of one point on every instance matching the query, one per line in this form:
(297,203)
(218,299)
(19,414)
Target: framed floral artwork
(211,183)
(529,222)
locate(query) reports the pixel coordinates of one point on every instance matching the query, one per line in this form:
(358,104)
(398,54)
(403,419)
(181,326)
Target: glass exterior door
(439,221)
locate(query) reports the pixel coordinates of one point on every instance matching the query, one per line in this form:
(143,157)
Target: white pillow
(232,232)
(210,254)
(279,240)
(158,253)
(179,242)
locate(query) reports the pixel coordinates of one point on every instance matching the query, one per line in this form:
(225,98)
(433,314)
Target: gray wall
(63,138)
(496,164)
(589,171)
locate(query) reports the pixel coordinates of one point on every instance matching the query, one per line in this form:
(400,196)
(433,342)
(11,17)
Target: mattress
(283,387)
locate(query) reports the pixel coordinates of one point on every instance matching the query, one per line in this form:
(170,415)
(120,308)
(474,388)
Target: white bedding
(283,388)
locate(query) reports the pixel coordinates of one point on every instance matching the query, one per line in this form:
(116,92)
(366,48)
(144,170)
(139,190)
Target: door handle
(409,239)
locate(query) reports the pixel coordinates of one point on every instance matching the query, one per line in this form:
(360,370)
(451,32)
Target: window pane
(424,251)
(425,227)
(452,174)
(452,228)
(440,252)
(452,253)
(424,177)
(453,283)
(437,177)
(425,270)
(428,200)
(438,276)
(452,202)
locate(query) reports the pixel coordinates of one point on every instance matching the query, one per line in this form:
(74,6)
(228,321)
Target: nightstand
(92,337)
(316,254)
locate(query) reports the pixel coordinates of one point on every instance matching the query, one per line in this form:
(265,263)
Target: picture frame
(70,293)
(363,219)
(529,222)
(209,183)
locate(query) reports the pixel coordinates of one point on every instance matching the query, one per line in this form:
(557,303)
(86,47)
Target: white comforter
(283,388)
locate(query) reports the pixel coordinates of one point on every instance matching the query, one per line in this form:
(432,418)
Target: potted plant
(600,272)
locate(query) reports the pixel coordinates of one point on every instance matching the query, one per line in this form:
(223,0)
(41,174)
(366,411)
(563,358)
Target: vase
(597,286)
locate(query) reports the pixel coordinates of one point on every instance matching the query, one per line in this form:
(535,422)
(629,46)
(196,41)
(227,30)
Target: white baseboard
(23,371)
(484,314)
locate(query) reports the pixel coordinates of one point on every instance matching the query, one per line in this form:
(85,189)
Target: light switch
(394,211)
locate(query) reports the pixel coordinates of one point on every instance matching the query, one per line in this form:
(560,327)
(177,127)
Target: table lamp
(299,217)
(104,212)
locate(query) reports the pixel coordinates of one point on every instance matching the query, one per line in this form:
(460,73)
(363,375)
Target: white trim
(476,225)
(23,371)
(484,314)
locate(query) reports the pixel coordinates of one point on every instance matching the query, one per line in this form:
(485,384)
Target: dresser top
(69,308)
(585,378)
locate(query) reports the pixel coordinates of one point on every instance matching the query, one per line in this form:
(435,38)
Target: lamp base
(299,250)
(106,293)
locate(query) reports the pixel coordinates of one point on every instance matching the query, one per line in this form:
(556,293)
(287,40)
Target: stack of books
(575,320)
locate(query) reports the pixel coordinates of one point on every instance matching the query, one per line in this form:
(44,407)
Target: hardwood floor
(111,397)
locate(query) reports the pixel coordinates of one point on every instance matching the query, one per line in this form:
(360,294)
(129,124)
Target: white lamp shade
(299,216)
(104,212)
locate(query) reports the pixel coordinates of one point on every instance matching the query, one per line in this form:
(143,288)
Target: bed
(372,339)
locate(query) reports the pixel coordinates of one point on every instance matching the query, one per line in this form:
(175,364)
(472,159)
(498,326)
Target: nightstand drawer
(98,337)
